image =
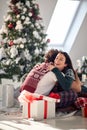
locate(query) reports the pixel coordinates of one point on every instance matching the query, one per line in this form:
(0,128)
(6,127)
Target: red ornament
(48,40)
(11,43)
(10,25)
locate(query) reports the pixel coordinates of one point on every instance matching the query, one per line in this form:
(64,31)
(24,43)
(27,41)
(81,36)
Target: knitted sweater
(33,77)
(47,83)
(66,81)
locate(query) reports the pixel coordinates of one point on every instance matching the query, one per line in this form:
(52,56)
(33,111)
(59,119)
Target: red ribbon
(29,110)
(45,109)
(85,111)
(29,98)
(85,105)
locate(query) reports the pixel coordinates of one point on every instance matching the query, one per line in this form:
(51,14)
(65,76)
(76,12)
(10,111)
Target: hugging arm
(65,81)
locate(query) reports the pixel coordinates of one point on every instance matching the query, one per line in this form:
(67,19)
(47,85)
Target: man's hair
(51,55)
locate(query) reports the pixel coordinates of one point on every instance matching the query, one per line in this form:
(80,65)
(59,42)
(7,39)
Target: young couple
(58,77)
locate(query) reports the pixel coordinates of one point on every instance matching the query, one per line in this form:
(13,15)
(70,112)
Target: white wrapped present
(7,95)
(38,110)
(37,106)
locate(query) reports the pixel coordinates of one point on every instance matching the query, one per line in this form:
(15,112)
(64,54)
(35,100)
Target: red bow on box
(29,98)
(54,95)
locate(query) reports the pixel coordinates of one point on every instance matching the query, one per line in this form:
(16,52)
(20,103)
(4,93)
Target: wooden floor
(15,121)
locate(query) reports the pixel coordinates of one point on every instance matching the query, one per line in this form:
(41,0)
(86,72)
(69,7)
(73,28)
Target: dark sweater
(66,81)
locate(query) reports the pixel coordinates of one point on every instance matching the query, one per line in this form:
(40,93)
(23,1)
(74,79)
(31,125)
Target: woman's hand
(77,84)
(51,66)
(77,79)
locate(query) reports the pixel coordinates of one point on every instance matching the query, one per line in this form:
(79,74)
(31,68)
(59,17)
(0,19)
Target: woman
(62,62)
(69,72)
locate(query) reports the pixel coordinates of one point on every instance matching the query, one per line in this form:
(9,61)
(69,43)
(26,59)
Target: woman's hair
(68,62)
(51,55)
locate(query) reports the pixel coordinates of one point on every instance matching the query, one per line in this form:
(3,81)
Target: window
(61,21)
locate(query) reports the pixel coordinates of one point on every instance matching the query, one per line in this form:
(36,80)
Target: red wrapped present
(80,102)
(84,111)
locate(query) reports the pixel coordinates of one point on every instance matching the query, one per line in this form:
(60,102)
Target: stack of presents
(37,106)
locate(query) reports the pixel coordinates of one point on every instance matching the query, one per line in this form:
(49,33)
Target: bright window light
(61,21)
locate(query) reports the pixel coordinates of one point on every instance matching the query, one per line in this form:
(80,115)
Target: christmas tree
(23,40)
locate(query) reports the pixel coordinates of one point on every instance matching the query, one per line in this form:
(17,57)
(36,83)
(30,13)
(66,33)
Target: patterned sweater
(33,77)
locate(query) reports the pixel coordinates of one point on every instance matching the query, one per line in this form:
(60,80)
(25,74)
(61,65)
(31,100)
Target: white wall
(3,10)
(79,47)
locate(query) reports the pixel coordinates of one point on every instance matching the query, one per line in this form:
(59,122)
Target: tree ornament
(10,26)
(11,43)
(48,40)
(13,52)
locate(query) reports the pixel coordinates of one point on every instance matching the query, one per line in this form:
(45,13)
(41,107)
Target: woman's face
(60,61)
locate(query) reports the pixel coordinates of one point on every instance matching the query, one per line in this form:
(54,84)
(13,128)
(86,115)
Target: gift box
(84,111)
(37,106)
(38,110)
(7,95)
